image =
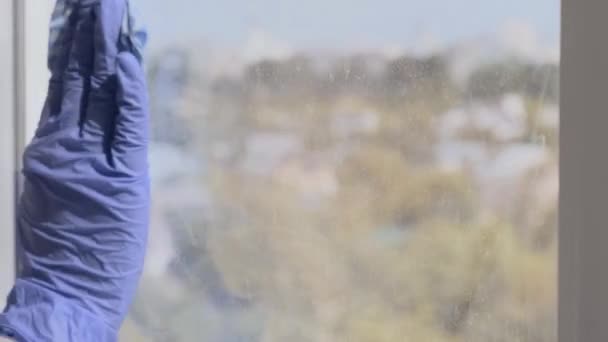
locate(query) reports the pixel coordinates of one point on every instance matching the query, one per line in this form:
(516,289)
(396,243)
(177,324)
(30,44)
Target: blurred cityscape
(318,196)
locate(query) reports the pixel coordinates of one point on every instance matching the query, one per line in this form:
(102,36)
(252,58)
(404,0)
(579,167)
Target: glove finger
(131,129)
(76,80)
(61,35)
(101,106)
(109,17)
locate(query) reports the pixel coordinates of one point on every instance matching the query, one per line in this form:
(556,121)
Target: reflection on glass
(352,193)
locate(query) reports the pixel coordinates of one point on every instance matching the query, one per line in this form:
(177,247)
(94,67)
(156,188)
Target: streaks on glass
(351,195)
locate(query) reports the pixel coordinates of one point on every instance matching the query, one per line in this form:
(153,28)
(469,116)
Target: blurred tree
(395,248)
(427,80)
(490,81)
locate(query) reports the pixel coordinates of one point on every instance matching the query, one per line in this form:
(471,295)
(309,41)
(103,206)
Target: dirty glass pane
(351,171)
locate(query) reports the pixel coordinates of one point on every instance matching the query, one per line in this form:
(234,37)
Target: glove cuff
(35,314)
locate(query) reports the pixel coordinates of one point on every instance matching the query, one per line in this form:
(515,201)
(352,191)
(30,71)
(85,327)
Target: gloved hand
(83,215)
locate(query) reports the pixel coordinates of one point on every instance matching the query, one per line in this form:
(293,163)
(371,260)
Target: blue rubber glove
(83,216)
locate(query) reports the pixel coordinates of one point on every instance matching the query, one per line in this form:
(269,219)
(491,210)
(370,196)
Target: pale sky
(344,23)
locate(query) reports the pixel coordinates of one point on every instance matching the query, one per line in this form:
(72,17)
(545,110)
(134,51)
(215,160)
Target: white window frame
(23,36)
(32,37)
(583,278)
(8,150)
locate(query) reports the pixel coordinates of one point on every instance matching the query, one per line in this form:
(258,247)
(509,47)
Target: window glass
(351,171)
